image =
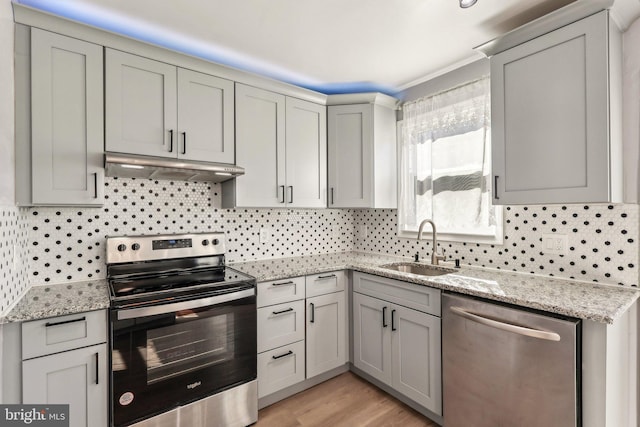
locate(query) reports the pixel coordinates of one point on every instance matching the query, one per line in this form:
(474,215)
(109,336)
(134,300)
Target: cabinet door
(205,117)
(350,156)
(372,336)
(415,344)
(549,115)
(306,154)
(141,102)
(66,120)
(260,147)
(325,333)
(78,378)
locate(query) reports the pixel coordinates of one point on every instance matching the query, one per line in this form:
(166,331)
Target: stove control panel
(147,248)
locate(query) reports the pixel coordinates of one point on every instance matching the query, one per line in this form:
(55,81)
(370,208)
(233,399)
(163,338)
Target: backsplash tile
(602,241)
(67,244)
(13,255)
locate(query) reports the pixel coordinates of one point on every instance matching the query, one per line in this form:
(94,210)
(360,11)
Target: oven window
(190,345)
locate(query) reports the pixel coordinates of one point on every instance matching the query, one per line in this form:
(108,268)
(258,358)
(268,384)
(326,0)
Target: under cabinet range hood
(135,166)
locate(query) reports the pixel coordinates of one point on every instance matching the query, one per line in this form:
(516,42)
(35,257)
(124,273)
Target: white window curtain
(445,165)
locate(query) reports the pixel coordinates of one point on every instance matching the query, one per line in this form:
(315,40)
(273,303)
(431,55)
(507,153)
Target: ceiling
(331,46)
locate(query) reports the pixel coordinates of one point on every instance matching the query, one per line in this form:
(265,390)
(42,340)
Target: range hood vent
(147,167)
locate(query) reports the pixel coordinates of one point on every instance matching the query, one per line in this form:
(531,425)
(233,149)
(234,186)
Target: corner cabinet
(556,116)
(362,156)
(396,337)
(65,361)
(158,109)
(59,120)
(282,144)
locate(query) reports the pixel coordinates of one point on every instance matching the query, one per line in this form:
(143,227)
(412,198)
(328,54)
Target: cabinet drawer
(410,295)
(280,368)
(280,324)
(279,291)
(56,334)
(325,283)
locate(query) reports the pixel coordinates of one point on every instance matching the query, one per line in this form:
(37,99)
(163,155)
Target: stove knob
(122,247)
(135,246)
(215,242)
(205,242)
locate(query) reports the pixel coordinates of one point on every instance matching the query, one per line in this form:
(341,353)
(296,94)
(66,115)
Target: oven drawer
(56,334)
(280,368)
(280,324)
(279,291)
(326,283)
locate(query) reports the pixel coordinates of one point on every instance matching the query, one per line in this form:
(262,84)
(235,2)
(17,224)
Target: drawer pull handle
(97,368)
(290,282)
(327,277)
(313,313)
(283,311)
(80,319)
(288,353)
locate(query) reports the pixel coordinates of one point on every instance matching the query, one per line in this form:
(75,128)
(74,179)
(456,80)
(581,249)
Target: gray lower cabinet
(281,333)
(65,361)
(397,345)
(78,378)
(326,331)
(59,119)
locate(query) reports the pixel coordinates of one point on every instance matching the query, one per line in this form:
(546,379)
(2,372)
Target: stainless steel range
(183,333)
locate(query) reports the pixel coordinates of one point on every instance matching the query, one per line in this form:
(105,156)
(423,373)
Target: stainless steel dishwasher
(506,367)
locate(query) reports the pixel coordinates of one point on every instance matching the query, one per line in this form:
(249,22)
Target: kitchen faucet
(435,257)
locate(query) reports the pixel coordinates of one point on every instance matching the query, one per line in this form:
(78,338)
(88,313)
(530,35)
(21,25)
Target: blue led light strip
(139,30)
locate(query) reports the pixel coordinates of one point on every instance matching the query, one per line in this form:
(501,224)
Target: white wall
(6,105)
(631,108)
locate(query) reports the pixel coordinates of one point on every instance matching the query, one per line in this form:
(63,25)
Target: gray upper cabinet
(59,120)
(205,117)
(157,109)
(281,143)
(555,112)
(362,152)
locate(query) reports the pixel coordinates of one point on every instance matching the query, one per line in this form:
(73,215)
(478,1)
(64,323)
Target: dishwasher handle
(521,330)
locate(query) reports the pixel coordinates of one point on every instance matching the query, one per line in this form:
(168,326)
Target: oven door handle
(132,313)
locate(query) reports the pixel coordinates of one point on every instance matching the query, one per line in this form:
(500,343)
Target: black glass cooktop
(177,277)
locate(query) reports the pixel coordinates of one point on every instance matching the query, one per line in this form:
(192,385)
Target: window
(445,144)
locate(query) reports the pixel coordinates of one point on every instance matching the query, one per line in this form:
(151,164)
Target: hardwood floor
(343,401)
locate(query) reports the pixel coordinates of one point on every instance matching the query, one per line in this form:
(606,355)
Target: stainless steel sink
(420,269)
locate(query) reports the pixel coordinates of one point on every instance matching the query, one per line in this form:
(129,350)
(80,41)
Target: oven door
(167,355)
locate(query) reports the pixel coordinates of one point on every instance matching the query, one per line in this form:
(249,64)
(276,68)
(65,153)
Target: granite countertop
(57,300)
(585,300)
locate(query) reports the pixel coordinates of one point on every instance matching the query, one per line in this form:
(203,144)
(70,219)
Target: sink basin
(420,269)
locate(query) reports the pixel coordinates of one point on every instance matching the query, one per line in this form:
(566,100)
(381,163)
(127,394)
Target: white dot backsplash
(13,255)
(67,244)
(602,241)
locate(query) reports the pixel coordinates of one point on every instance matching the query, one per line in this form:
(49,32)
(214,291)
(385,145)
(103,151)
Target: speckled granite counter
(600,303)
(58,300)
